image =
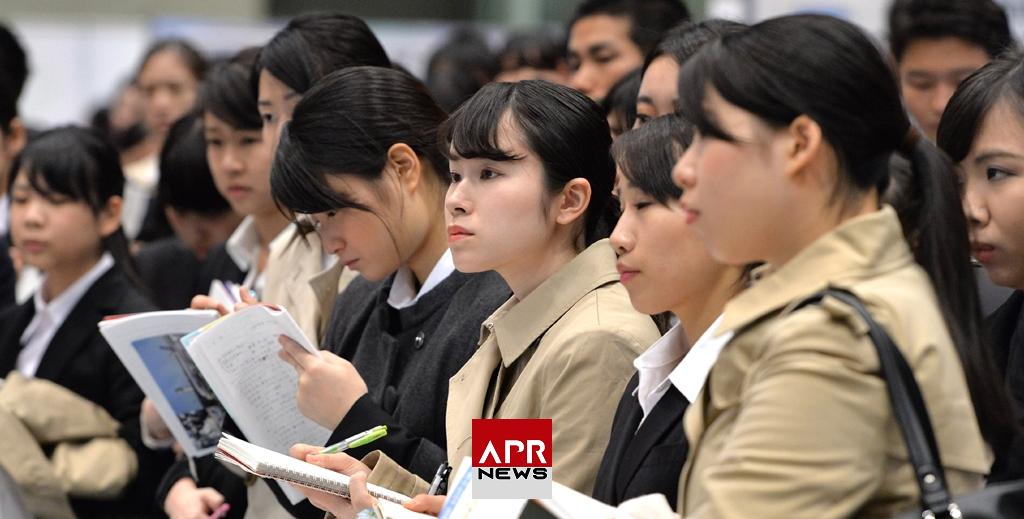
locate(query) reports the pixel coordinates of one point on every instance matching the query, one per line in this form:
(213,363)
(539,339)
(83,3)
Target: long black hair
(830,71)
(77,164)
(344,126)
(685,39)
(316,44)
(566,129)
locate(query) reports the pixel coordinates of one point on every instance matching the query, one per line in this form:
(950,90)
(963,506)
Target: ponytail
(925,195)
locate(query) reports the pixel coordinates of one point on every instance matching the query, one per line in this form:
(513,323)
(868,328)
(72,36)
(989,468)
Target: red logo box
(512,442)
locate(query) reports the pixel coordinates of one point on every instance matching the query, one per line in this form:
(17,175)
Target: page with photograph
(149,346)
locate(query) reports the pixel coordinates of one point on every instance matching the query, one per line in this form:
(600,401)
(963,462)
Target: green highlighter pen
(357,440)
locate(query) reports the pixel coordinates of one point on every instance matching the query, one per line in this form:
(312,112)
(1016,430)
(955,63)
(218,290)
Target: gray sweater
(406,358)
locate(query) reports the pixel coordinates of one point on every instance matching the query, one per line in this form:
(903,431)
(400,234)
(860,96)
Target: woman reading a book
(403,328)
(65,191)
(531,199)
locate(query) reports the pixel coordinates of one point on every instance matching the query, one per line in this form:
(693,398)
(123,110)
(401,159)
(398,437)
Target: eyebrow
(600,46)
(644,99)
(996,154)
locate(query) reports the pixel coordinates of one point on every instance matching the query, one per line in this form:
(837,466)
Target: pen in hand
(357,440)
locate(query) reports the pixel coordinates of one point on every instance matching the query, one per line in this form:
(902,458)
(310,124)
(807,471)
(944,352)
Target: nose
(621,239)
(456,201)
(683,173)
(331,240)
(975,207)
(943,92)
(583,80)
(231,161)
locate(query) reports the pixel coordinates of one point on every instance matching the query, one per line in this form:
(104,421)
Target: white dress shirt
(403,292)
(51,315)
(667,362)
(243,246)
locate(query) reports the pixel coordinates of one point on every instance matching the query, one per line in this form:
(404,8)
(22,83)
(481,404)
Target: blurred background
(82,51)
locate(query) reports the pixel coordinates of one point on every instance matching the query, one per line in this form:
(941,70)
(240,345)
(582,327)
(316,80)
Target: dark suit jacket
(8,277)
(1005,330)
(174,275)
(648,460)
(79,359)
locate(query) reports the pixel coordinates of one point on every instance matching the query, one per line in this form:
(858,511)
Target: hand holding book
(319,376)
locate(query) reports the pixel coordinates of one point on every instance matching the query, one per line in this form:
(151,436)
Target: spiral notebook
(266,463)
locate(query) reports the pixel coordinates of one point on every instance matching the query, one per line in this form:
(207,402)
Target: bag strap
(908,409)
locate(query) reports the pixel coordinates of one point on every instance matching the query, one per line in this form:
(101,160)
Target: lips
(33,246)
(983,252)
(239,190)
(457,233)
(626,273)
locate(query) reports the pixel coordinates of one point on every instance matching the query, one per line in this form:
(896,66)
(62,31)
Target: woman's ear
(803,146)
(573,201)
(406,165)
(110,217)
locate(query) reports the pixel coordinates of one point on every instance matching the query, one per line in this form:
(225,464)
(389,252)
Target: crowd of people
(637,231)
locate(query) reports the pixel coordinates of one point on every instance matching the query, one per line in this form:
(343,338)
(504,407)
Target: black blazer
(1005,329)
(645,461)
(80,359)
(174,275)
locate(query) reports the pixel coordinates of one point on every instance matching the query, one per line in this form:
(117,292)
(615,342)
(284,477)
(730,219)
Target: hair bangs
(59,166)
(472,131)
(298,187)
(1001,80)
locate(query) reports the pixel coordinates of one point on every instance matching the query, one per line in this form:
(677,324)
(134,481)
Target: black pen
(440,483)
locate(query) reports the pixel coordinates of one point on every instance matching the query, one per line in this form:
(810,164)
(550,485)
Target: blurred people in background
(168,78)
(620,104)
(534,55)
(200,216)
(609,38)
(13,136)
(460,67)
(122,123)
(659,88)
(938,43)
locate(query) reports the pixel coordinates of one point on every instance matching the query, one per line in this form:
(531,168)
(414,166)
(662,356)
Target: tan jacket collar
(861,247)
(516,324)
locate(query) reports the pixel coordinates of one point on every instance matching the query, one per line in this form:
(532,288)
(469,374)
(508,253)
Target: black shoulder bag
(1005,500)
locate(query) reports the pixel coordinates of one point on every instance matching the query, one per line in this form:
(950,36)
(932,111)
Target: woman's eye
(249,141)
(214,143)
(19,200)
(641,205)
(268,118)
(487,174)
(331,214)
(455,177)
(603,59)
(997,174)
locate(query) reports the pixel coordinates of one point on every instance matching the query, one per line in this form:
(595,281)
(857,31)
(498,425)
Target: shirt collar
(60,307)
(655,364)
(860,247)
(243,246)
(692,371)
(5,208)
(516,324)
(403,292)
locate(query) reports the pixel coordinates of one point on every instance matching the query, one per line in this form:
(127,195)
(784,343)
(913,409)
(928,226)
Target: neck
(697,313)
(268,226)
(819,225)
(60,279)
(434,245)
(527,273)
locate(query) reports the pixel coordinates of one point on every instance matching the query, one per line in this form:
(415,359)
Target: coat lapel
(666,415)
(79,328)
(13,323)
(627,417)
(467,392)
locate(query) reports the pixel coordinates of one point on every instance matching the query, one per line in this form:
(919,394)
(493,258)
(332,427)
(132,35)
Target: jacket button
(418,342)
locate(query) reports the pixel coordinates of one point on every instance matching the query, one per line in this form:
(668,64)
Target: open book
(237,355)
(148,346)
(196,368)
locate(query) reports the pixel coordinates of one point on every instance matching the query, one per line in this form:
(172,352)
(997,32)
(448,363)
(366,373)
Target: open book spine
(329,485)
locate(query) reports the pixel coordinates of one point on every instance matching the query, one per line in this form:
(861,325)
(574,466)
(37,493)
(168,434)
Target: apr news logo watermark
(511,459)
